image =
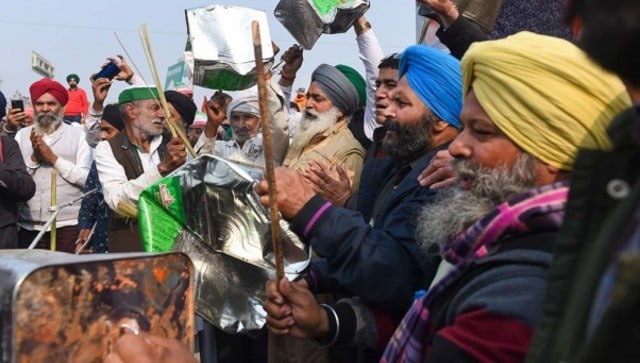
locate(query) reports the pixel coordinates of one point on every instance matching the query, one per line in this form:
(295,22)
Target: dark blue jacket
(380,262)
(94,210)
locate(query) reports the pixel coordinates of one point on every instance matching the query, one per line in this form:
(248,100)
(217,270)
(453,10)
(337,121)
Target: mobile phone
(109,71)
(19,104)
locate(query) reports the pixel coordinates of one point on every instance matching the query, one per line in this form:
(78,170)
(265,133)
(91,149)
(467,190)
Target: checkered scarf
(539,210)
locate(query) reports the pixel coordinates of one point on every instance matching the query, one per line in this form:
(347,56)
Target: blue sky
(77,36)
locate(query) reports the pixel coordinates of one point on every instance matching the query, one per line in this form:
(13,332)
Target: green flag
(324,7)
(161,214)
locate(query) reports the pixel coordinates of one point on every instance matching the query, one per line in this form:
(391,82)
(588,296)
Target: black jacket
(16,185)
(604,196)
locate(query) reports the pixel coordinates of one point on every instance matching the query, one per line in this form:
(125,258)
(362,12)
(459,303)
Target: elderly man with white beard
(130,162)
(51,144)
(531,102)
(323,131)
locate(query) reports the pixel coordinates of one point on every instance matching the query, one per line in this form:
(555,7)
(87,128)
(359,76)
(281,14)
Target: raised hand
(293,61)
(445,9)
(42,153)
(125,71)
(292,191)
(439,173)
(216,113)
(15,118)
(100,88)
(333,186)
(175,156)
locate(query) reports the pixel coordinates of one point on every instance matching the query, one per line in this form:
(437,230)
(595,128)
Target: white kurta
(72,167)
(115,185)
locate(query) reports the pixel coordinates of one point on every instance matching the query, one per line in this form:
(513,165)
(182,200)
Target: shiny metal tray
(220,37)
(306,22)
(58,307)
(207,209)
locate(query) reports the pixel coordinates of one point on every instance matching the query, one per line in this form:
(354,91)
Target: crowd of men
(477,205)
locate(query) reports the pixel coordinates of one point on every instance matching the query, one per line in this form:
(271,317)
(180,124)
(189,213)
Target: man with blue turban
(372,251)
(530,102)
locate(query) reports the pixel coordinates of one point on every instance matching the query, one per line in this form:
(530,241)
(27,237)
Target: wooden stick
(54,200)
(268,151)
(176,130)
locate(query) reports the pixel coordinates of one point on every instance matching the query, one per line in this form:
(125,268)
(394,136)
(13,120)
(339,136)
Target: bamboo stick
(54,201)
(268,151)
(174,128)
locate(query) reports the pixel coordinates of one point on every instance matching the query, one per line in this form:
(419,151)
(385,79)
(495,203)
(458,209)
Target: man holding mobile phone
(15,118)
(78,106)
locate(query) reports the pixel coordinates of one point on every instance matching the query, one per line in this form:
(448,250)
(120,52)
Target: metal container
(58,307)
(306,20)
(220,37)
(207,208)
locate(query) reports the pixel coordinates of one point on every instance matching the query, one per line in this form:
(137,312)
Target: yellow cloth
(545,94)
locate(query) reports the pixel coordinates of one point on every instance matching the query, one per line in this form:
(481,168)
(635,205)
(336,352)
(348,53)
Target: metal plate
(226,232)
(221,43)
(304,23)
(58,307)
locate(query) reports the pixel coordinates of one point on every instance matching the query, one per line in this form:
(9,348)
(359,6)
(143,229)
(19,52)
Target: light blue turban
(436,78)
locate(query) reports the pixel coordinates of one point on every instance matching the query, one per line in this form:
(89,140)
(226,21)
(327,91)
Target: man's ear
(548,174)
(129,110)
(440,126)
(552,169)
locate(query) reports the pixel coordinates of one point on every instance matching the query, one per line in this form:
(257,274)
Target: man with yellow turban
(590,313)
(530,102)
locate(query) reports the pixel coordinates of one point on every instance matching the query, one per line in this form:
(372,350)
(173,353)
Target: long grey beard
(312,126)
(48,122)
(455,209)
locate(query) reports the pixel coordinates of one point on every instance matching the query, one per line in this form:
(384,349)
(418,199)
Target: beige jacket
(335,146)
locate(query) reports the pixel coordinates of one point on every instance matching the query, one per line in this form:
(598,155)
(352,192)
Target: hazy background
(77,36)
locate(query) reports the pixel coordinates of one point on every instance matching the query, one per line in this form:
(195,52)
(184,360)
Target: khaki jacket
(334,146)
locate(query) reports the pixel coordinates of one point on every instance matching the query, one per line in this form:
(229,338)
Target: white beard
(456,209)
(309,127)
(48,122)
